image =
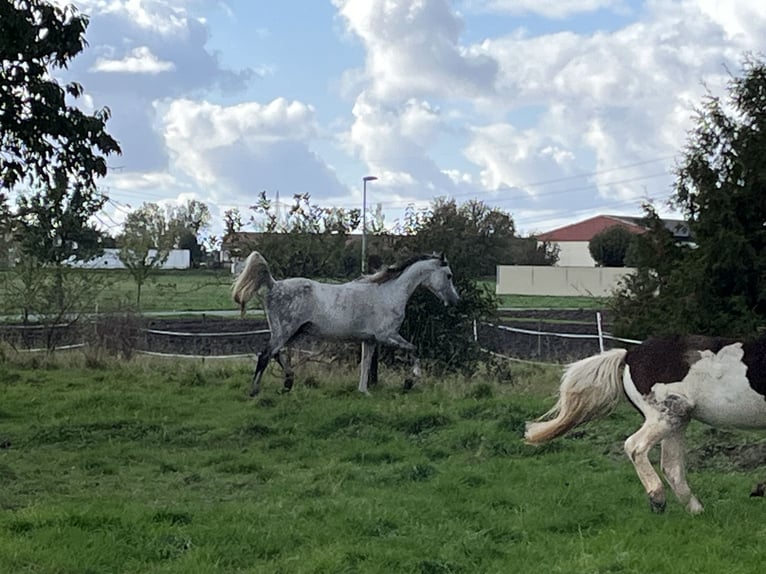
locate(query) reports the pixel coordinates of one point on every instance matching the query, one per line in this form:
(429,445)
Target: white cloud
(510,158)
(158,16)
(242,149)
(623,98)
(139,61)
(548,8)
(413,49)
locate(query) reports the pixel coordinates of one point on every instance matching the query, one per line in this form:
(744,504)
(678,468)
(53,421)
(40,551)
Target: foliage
(306,240)
(610,247)
(51,229)
(54,225)
(444,335)
(718,288)
(43,139)
(57,151)
(475,237)
(145,243)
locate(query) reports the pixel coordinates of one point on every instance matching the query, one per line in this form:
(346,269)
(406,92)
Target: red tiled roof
(585,230)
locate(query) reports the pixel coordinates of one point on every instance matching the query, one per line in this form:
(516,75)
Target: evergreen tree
(719,287)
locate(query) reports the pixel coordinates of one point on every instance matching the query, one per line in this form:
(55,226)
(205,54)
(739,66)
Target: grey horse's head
(439,281)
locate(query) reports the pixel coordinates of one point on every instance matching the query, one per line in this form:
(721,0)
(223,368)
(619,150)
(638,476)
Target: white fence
(599,334)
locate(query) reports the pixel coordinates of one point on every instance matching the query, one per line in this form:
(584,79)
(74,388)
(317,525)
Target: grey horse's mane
(393,271)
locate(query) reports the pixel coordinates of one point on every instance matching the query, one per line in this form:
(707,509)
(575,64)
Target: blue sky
(554,110)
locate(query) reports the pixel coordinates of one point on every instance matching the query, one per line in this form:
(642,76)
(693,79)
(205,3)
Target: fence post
(600,332)
(475,332)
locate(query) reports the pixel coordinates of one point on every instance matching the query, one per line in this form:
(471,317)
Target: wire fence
(519,344)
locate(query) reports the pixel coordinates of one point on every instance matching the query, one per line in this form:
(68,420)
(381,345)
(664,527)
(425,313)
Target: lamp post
(365,179)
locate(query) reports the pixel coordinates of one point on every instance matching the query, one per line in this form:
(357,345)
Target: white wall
(559,281)
(574,254)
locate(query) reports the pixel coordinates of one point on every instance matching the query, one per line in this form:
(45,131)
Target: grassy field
(153,467)
(197,290)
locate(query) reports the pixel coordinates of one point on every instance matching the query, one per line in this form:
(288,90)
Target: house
(573,239)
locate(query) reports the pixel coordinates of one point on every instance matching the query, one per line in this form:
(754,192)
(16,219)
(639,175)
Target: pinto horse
(670,380)
(369,309)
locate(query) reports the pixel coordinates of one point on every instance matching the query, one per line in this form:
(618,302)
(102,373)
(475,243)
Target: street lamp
(365,179)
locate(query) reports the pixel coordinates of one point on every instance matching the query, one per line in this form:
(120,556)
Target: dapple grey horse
(369,309)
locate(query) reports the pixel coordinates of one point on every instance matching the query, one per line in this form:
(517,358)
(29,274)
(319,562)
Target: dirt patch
(204,336)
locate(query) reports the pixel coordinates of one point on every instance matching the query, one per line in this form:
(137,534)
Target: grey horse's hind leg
(263,360)
(283,358)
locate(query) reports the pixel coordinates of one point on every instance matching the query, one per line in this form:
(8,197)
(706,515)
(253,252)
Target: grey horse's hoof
(408,384)
(759,489)
(657,504)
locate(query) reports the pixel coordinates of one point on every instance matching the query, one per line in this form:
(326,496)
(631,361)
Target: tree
(54,149)
(5,232)
(145,243)
(51,229)
(308,240)
(719,287)
(475,237)
(610,246)
(42,138)
(189,220)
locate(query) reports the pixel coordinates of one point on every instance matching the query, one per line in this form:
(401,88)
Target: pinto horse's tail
(254,275)
(590,388)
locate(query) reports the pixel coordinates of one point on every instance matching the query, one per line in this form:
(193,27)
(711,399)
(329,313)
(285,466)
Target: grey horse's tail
(254,275)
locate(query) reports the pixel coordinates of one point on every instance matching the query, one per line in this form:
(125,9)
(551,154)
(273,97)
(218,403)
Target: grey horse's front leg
(368,351)
(400,342)
(283,358)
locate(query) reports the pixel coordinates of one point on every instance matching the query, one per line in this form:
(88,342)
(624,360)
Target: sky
(552,110)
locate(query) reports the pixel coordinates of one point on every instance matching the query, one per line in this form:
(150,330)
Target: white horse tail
(590,388)
(254,275)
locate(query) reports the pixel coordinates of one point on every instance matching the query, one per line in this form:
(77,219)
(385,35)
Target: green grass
(155,467)
(187,290)
(551,302)
(206,290)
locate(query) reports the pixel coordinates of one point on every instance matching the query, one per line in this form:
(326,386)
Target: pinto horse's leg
(663,419)
(283,358)
(672,464)
(637,448)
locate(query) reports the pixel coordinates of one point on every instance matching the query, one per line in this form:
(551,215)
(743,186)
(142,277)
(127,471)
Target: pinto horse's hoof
(759,489)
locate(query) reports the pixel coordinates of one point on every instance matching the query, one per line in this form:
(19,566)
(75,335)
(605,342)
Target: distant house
(573,239)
